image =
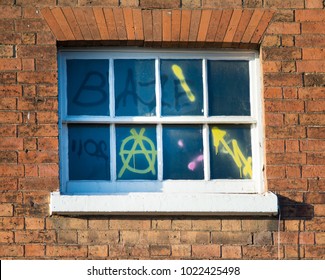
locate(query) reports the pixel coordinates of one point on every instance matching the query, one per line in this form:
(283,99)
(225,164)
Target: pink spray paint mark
(180,143)
(192,165)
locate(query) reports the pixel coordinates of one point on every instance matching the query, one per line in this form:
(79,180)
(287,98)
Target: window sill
(265,204)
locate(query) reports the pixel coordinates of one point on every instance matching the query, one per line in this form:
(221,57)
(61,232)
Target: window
(154,131)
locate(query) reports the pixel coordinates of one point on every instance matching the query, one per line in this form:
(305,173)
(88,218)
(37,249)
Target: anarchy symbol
(127,155)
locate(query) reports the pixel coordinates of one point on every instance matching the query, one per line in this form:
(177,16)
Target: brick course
(290,36)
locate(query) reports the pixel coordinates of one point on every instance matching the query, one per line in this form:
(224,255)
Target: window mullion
(112,125)
(159,126)
(205,88)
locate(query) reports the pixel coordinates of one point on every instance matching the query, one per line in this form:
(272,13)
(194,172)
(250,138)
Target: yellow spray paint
(179,74)
(127,155)
(244,164)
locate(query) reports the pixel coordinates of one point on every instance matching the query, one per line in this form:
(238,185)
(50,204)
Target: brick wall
(293,54)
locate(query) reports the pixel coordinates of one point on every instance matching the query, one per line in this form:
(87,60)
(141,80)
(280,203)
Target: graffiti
(178,72)
(244,164)
(86,86)
(193,164)
(130,90)
(91,147)
(126,155)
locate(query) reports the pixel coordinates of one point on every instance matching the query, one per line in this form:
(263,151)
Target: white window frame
(164,196)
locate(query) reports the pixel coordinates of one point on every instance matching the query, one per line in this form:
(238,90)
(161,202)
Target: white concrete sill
(265,204)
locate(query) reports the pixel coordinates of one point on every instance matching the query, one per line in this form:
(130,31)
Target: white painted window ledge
(265,204)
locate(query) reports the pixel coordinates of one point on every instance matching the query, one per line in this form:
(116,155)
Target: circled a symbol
(138,148)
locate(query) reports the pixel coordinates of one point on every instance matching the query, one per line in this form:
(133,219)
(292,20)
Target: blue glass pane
(230,152)
(136,152)
(182,87)
(89,152)
(183,152)
(134,87)
(228,85)
(87,87)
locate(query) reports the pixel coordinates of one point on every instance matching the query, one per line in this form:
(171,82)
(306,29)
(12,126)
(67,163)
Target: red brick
(231,252)
(166,4)
(311,93)
(310,15)
(34,223)
(195,237)
(313,53)
(272,119)
(38,157)
(181,251)
(97,237)
(6,210)
(37,77)
(66,223)
(34,250)
(6,237)
(310,66)
(98,251)
(312,119)
(49,184)
(293,171)
(72,251)
(160,250)
(11,170)
(160,237)
(283,79)
(232,238)
(38,130)
(316,159)
(284,28)
(11,144)
(315,198)
(314,4)
(9,223)
(310,40)
(206,251)
(272,66)
(10,64)
(286,132)
(290,4)
(221,4)
(35,236)
(313,171)
(261,252)
(275,172)
(315,252)
(284,106)
(274,146)
(8,184)
(135,224)
(282,54)
(11,251)
(312,145)
(288,184)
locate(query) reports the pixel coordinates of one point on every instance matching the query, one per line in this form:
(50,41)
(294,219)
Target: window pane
(183,152)
(182,87)
(89,152)
(230,152)
(136,152)
(228,85)
(134,87)
(87,87)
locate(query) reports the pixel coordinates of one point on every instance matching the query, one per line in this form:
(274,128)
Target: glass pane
(183,152)
(228,85)
(136,152)
(134,87)
(230,152)
(182,87)
(87,86)
(89,152)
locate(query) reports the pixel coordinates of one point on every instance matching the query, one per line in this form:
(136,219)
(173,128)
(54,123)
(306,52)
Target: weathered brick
(284,28)
(35,236)
(206,251)
(288,4)
(160,250)
(71,251)
(34,250)
(195,237)
(231,252)
(261,252)
(181,251)
(139,224)
(98,251)
(221,4)
(240,238)
(11,250)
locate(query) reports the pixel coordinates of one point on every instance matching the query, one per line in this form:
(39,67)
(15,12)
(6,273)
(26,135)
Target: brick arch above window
(159,28)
